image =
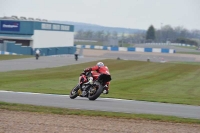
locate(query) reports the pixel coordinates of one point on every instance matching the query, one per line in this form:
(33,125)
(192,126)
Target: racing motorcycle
(76,56)
(90,86)
(37,56)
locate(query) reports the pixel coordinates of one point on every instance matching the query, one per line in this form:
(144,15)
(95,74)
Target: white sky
(139,14)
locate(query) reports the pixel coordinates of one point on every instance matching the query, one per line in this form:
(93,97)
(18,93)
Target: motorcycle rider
(37,52)
(98,69)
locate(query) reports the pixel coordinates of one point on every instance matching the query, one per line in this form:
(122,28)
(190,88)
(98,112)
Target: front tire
(74,94)
(98,92)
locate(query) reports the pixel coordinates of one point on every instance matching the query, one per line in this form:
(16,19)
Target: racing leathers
(96,71)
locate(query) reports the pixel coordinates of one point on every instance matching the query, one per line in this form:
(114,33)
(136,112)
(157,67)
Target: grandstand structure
(21,35)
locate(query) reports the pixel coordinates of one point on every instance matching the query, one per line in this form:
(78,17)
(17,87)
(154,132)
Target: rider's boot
(105,89)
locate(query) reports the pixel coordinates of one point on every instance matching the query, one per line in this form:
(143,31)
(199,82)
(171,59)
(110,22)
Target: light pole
(161,32)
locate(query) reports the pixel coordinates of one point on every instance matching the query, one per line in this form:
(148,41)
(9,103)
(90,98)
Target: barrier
(128,49)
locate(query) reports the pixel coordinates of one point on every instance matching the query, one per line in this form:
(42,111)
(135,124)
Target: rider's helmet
(100,64)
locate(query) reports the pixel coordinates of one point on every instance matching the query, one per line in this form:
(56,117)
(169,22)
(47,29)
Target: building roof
(23,18)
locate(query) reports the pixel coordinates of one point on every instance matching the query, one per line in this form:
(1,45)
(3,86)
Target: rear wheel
(74,92)
(95,92)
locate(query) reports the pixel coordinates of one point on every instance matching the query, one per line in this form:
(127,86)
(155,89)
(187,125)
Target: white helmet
(100,64)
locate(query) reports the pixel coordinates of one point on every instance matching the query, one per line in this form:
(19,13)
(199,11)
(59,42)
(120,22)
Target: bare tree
(115,35)
(79,34)
(168,33)
(88,35)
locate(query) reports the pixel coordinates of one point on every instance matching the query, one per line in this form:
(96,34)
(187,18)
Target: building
(25,35)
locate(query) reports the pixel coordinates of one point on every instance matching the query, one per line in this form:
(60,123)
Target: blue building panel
(51,51)
(26,50)
(16,27)
(18,49)
(72,50)
(63,50)
(147,49)
(13,26)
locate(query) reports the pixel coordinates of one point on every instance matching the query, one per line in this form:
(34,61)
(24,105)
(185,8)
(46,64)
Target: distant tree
(79,34)
(167,33)
(195,34)
(122,39)
(107,35)
(99,35)
(186,41)
(115,35)
(88,34)
(150,35)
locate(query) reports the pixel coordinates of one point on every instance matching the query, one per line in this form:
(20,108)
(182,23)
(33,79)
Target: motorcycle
(76,56)
(37,56)
(89,86)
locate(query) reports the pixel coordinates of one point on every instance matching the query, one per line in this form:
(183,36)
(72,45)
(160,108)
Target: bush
(186,41)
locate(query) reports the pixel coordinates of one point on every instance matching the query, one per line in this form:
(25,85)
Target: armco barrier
(129,49)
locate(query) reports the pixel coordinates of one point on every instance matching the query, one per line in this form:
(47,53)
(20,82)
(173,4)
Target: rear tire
(74,94)
(37,56)
(97,93)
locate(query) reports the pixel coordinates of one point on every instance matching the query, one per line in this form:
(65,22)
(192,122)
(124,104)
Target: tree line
(165,34)
(95,35)
(177,34)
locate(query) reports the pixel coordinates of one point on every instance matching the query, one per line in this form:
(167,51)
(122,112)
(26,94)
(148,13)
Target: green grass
(89,43)
(101,44)
(62,111)
(10,57)
(195,53)
(191,63)
(189,47)
(137,80)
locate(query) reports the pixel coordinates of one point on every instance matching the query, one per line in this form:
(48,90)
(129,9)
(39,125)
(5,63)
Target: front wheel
(74,92)
(95,92)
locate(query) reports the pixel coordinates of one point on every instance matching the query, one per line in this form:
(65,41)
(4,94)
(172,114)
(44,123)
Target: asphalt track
(43,62)
(102,104)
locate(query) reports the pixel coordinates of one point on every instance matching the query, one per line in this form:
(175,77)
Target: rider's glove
(87,70)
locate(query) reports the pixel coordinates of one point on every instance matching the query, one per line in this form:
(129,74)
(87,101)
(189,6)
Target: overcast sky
(139,14)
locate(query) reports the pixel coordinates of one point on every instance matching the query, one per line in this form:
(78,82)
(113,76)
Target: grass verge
(101,44)
(10,57)
(62,111)
(195,53)
(134,80)
(188,47)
